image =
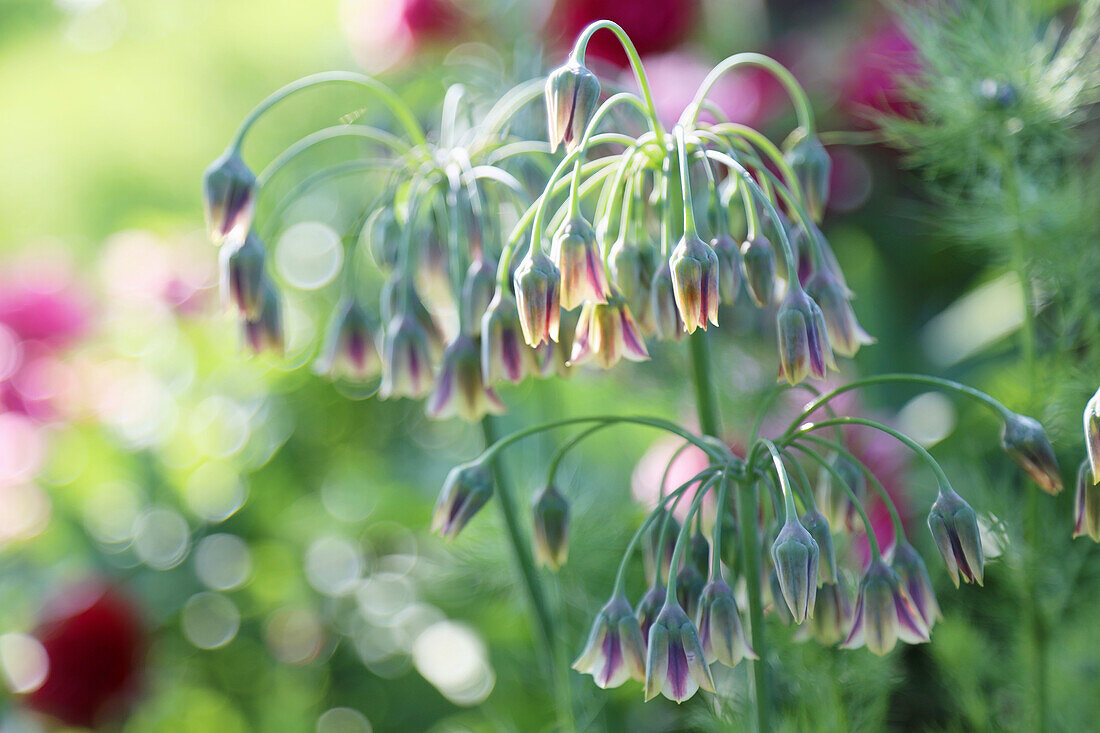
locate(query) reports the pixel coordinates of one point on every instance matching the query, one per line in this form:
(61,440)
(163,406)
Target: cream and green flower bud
(1086,504)
(662,305)
(406,359)
(241,267)
(1092,435)
(835,502)
(811,165)
(694,269)
(265,331)
(467,488)
(477,293)
(795,555)
(954,526)
(615,651)
(675,664)
(631,275)
(832,618)
(818,527)
(729,267)
(649,605)
(779,606)
(721,634)
(459,390)
(606,333)
(758,266)
(845,333)
(572,92)
(350,348)
(913,576)
(504,355)
(550,518)
(229,198)
(1026,441)
(803,338)
(537,297)
(884,613)
(578,259)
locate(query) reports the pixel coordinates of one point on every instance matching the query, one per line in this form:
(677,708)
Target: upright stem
(753,570)
(536,594)
(706,404)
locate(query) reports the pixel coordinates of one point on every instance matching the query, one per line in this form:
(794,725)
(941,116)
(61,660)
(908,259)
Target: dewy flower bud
(720,632)
(615,651)
(477,293)
(460,391)
(811,165)
(675,664)
(954,526)
(572,92)
(1086,505)
(650,604)
(837,504)
(578,259)
(607,332)
(729,267)
(845,333)
(536,284)
(1092,435)
(818,527)
(1025,440)
(913,575)
(662,305)
(265,332)
(803,341)
(502,347)
(758,264)
(406,359)
(631,274)
(350,348)
(228,196)
(242,275)
(883,613)
(832,614)
(795,555)
(550,515)
(466,489)
(695,282)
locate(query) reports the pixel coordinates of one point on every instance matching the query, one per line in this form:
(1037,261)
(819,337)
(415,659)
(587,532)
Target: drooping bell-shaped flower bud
(811,165)
(537,297)
(729,267)
(406,359)
(649,605)
(399,295)
(835,502)
(779,606)
(615,651)
(675,664)
(884,613)
(818,527)
(631,275)
(832,618)
(606,332)
(954,526)
(350,348)
(695,282)
(459,390)
(242,275)
(845,333)
(1025,440)
(758,265)
(795,554)
(1092,435)
(913,576)
(572,92)
(466,489)
(662,305)
(578,259)
(550,515)
(1086,505)
(721,634)
(689,587)
(803,341)
(477,293)
(228,197)
(265,331)
(502,349)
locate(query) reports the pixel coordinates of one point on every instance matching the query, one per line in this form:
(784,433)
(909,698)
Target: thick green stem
(706,402)
(753,571)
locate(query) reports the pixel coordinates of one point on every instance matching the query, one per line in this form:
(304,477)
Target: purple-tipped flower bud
(536,285)
(242,275)
(695,282)
(803,341)
(795,554)
(466,489)
(729,267)
(720,632)
(1092,435)
(631,275)
(265,332)
(811,164)
(550,514)
(406,359)
(606,332)
(350,348)
(477,293)
(502,349)
(675,664)
(884,613)
(460,391)
(662,305)
(845,333)
(818,527)
(913,575)
(615,651)
(572,92)
(954,526)
(228,197)
(578,259)
(835,502)
(1025,440)
(1086,505)
(758,265)
(649,605)
(832,615)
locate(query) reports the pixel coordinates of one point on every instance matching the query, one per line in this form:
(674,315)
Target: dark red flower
(875,71)
(654,25)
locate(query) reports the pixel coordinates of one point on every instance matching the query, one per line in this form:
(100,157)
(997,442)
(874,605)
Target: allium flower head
(818,527)
(351,347)
(803,339)
(1025,440)
(884,613)
(913,575)
(265,331)
(675,664)
(228,197)
(459,390)
(663,307)
(954,526)
(1086,505)
(466,489)
(537,297)
(242,275)
(572,92)
(694,269)
(811,165)
(606,332)
(406,359)
(550,512)
(502,346)
(577,257)
(615,651)
(758,264)
(845,333)
(720,632)
(832,618)
(1092,435)
(729,267)
(795,554)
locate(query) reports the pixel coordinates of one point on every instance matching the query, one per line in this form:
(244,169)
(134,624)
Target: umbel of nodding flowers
(464,307)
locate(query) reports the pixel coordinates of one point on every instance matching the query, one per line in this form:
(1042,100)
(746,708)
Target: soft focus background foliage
(256,537)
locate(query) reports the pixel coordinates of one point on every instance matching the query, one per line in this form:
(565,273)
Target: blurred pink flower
(874,74)
(138,268)
(386,33)
(655,26)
